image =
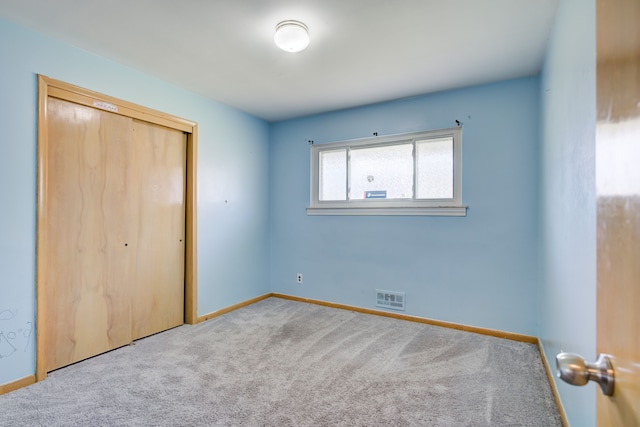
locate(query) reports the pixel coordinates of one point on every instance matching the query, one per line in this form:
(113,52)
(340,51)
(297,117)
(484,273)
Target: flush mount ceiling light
(291,36)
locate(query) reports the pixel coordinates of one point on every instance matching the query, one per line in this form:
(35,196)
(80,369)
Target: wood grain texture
(87,285)
(41,229)
(88,98)
(618,206)
(15,385)
(191,249)
(158,238)
(618,302)
(64,91)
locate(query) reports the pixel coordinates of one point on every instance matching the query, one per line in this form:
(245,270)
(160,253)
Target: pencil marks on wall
(15,336)
(8,314)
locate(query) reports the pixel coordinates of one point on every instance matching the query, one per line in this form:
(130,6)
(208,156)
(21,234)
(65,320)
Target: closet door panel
(159,173)
(88,276)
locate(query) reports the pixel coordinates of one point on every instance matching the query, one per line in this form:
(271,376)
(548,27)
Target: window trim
(438,207)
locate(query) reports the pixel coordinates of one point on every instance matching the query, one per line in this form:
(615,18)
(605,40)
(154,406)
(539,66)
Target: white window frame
(437,207)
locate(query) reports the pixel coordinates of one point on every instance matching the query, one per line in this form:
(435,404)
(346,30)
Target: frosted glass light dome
(291,36)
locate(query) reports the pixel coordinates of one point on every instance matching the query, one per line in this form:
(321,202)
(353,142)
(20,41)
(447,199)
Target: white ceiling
(361,51)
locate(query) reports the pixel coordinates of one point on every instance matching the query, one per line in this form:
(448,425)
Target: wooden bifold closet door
(116,231)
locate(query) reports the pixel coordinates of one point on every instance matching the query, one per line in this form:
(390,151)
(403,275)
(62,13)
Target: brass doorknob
(573,370)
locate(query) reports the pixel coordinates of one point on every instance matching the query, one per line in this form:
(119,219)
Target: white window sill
(421,211)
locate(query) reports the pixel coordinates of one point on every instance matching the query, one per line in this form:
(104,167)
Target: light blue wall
(233,165)
(567,198)
(528,178)
(479,270)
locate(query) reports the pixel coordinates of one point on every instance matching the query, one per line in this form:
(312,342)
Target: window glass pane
(434,167)
(333,175)
(382,172)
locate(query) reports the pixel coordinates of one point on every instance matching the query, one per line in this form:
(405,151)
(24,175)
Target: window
(408,174)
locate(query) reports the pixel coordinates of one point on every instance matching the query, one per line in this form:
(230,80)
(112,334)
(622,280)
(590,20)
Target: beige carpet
(284,363)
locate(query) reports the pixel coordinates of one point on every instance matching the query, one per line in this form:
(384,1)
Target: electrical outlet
(299,278)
